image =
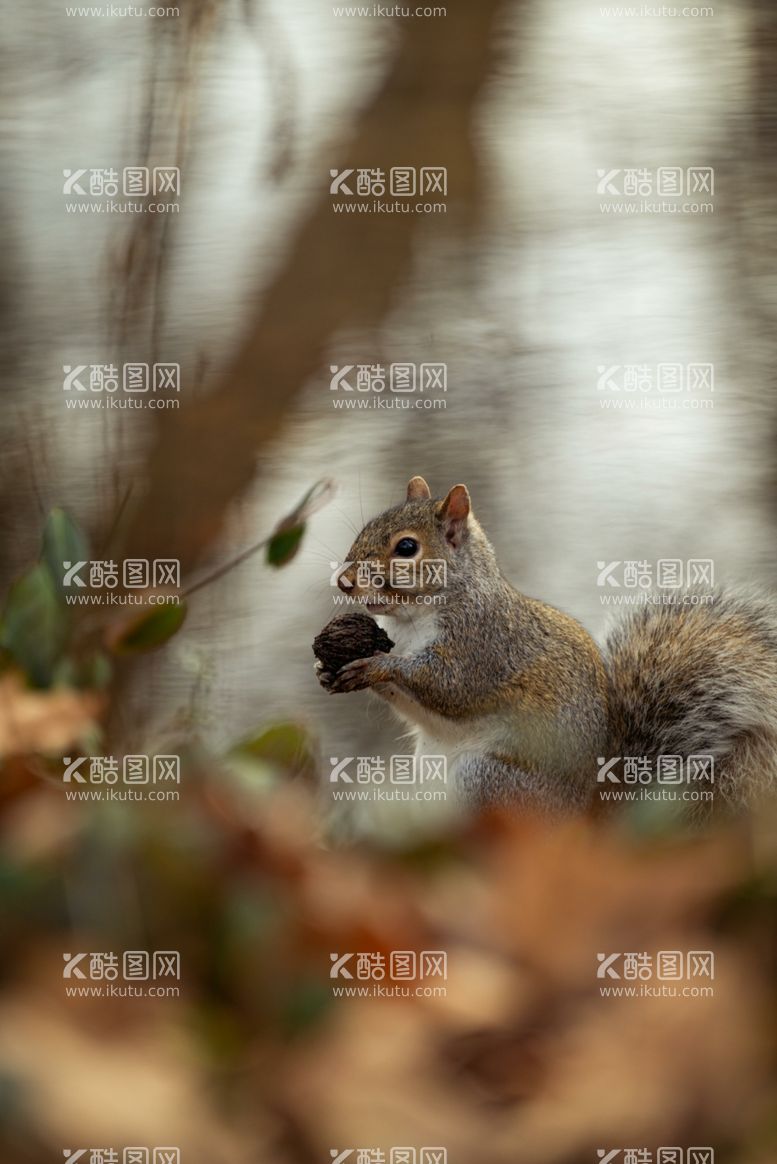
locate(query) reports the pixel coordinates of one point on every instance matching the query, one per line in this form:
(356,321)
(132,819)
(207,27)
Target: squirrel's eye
(406,547)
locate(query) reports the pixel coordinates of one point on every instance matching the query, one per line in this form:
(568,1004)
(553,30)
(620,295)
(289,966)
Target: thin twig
(117,517)
(222,570)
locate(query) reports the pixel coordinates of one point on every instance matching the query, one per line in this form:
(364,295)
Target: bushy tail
(694,677)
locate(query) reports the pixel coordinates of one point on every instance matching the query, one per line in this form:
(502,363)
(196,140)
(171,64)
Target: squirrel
(518,696)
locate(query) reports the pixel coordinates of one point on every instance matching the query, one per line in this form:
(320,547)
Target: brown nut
(350,636)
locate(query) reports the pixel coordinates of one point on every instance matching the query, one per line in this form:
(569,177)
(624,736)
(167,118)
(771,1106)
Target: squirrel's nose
(344,583)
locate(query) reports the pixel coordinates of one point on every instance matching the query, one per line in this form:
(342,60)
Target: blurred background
(526,290)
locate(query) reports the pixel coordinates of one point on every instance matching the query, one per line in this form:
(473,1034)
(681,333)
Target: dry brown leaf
(44,722)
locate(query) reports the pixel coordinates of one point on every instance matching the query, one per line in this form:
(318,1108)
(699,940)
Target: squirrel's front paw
(357,675)
(324,677)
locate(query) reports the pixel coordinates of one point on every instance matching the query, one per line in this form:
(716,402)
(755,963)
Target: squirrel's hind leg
(493,780)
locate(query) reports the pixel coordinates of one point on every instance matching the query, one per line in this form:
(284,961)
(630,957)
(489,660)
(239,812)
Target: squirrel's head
(413,551)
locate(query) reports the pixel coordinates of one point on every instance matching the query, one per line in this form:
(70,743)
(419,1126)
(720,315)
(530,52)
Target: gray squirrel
(517,695)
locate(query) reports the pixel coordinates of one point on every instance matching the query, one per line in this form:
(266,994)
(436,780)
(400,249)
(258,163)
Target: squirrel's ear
(453,513)
(418,490)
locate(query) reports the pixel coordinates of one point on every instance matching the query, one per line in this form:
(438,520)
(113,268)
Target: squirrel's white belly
(437,736)
(434,734)
(454,749)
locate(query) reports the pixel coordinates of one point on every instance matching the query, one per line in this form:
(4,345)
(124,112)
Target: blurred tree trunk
(762,171)
(342,270)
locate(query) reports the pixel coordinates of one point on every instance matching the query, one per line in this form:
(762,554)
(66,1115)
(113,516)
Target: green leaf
(286,538)
(63,545)
(92,672)
(306,1005)
(656,818)
(146,630)
(285,745)
(283,545)
(95,671)
(35,624)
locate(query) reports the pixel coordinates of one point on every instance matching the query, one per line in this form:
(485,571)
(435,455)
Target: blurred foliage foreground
(521,1060)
